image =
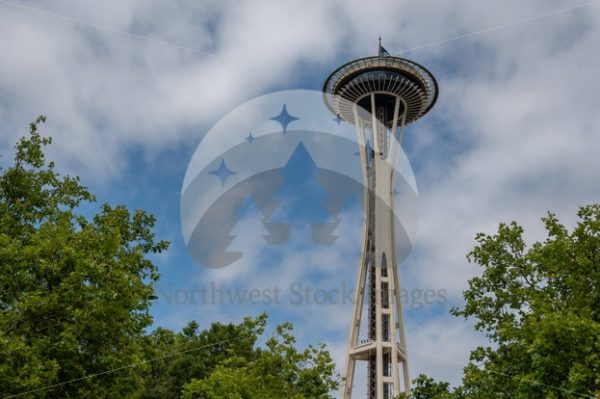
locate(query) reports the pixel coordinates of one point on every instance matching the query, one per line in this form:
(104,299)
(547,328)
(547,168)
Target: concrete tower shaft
(379,95)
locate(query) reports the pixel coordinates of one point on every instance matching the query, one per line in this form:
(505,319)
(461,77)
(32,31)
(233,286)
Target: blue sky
(514,132)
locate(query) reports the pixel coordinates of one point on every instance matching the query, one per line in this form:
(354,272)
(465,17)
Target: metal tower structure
(379,95)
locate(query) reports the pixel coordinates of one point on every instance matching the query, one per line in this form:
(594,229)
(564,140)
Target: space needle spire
(380,95)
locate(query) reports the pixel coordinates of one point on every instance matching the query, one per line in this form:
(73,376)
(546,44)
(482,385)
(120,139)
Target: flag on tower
(382,51)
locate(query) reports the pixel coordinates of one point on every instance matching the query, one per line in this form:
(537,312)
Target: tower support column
(379,95)
(384,347)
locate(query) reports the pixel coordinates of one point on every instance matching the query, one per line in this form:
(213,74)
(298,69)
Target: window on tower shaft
(385,327)
(385,301)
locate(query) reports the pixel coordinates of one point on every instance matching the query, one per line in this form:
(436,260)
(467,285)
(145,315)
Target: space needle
(379,95)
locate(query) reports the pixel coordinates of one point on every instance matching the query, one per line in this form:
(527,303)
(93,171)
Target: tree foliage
(424,387)
(194,353)
(73,291)
(74,307)
(277,371)
(539,306)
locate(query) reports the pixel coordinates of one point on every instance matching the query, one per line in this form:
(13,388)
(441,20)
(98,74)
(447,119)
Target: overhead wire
(496,27)
(209,54)
(533,382)
(131,365)
(108,29)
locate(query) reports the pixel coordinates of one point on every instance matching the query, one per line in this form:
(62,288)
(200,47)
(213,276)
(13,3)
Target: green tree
(181,357)
(540,308)
(74,301)
(424,387)
(74,292)
(276,371)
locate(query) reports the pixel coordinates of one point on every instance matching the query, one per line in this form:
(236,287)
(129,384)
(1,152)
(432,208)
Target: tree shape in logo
(250,225)
(302,201)
(341,192)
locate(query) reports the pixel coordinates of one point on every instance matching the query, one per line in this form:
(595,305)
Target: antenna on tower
(382,52)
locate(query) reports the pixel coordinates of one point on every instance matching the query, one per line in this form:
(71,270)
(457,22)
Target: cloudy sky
(130,88)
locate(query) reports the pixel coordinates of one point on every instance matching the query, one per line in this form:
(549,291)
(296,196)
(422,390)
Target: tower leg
(384,348)
(359,298)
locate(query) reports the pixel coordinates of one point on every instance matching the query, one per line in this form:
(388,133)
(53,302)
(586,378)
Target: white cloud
(440,347)
(530,120)
(514,132)
(105,92)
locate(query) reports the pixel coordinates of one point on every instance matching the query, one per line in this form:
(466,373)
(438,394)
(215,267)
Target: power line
(206,53)
(209,54)
(108,29)
(489,371)
(496,27)
(119,368)
(497,372)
